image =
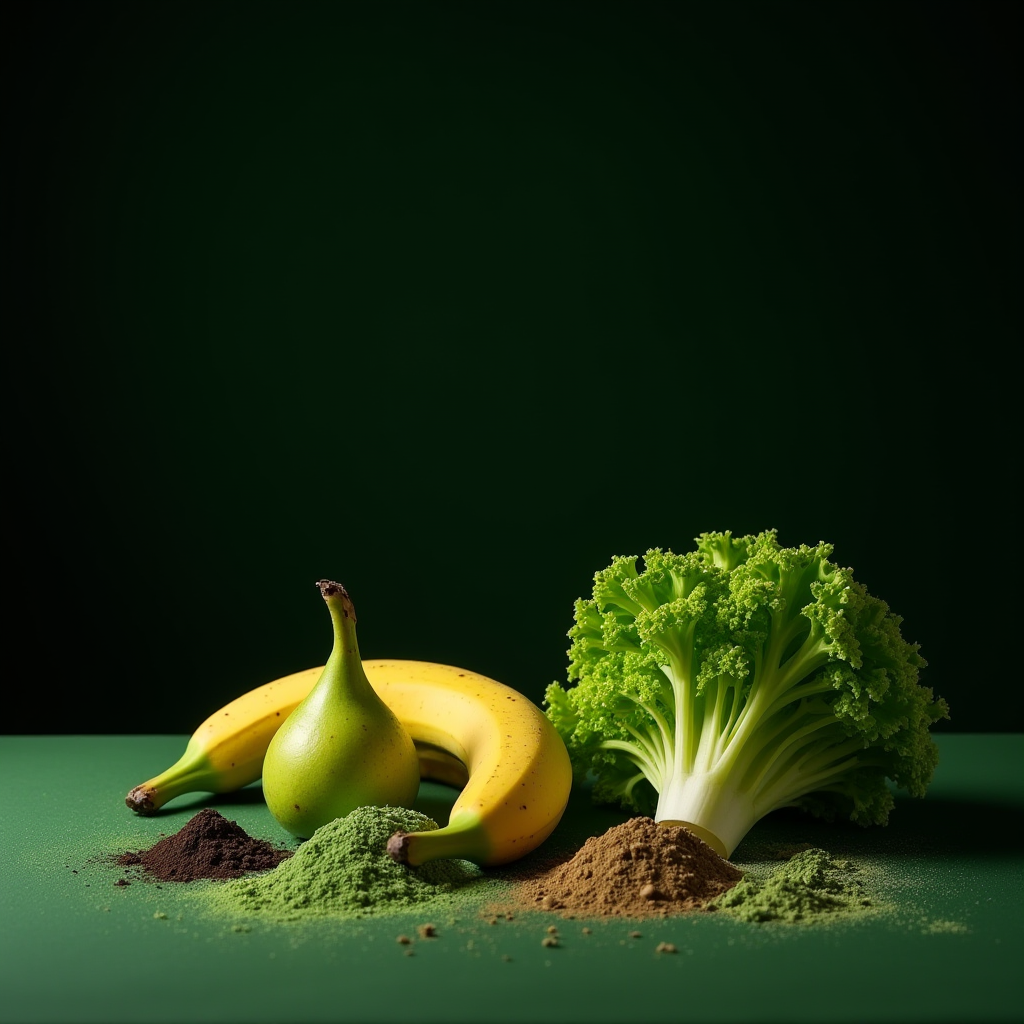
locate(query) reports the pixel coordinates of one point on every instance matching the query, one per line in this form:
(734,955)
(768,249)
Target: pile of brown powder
(207,846)
(636,869)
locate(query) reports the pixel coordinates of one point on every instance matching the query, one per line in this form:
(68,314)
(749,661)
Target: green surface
(946,943)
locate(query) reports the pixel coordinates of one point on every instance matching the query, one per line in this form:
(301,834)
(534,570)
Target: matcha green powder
(809,886)
(343,870)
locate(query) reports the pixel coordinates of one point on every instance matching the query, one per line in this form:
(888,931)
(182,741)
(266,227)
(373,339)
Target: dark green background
(452,302)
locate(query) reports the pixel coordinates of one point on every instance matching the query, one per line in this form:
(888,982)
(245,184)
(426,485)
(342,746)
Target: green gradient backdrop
(452,302)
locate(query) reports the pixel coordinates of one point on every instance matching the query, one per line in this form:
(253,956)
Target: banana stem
(190,773)
(465,839)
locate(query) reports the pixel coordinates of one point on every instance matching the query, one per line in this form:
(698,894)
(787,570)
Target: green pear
(342,747)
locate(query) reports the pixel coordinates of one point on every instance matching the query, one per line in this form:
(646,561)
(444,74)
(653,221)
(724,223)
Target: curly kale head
(713,687)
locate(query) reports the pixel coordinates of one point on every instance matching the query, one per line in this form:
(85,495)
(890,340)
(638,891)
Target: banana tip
(398,847)
(140,800)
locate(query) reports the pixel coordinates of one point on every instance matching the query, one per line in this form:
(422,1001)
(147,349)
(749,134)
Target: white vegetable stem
(725,816)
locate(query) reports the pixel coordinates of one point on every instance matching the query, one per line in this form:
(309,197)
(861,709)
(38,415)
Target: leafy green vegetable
(712,687)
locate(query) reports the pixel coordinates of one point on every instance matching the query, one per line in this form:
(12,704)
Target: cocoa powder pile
(637,869)
(207,846)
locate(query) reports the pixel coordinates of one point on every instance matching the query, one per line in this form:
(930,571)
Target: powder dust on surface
(643,870)
(343,870)
(809,885)
(636,869)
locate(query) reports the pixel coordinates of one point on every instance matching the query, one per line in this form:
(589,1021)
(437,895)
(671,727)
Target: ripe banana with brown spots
(470,731)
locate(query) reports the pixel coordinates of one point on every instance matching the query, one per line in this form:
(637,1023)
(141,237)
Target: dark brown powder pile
(636,869)
(207,846)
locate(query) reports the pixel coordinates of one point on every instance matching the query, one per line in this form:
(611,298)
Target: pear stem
(344,656)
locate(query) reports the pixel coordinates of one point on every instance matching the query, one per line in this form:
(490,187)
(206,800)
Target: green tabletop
(948,945)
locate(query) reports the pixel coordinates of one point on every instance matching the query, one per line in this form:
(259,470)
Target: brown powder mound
(636,869)
(207,846)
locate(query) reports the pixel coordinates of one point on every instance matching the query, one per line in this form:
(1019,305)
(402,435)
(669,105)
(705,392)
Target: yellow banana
(519,770)
(470,731)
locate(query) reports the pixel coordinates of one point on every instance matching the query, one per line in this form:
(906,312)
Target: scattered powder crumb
(666,947)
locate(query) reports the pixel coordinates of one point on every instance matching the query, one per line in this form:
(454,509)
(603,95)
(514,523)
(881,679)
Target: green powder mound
(809,886)
(343,870)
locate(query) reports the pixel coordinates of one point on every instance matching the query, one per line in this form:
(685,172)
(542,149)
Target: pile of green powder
(343,870)
(808,886)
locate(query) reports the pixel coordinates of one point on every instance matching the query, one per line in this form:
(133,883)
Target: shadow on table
(938,826)
(434,799)
(935,826)
(932,826)
(195,802)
